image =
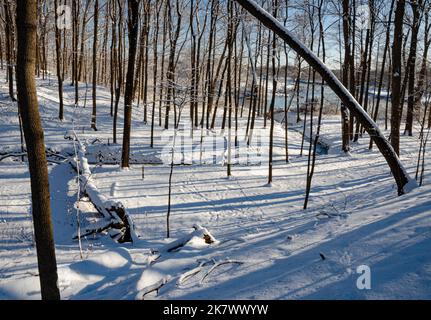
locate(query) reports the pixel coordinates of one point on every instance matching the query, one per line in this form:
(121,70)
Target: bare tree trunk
(119,61)
(94,112)
(162,67)
(155,58)
(75,29)
(420,89)
(133,18)
(59,58)
(113,55)
(417,8)
(192,64)
(274,90)
(33,132)
(396,76)
(382,72)
(344,112)
(82,45)
(9,46)
(312,156)
(229,86)
(170,76)
(352,87)
(145,69)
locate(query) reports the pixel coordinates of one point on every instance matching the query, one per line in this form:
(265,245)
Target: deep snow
(268,247)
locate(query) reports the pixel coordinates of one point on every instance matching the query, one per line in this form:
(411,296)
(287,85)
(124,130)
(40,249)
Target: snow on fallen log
(199,232)
(152,288)
(95,227)
(114,212)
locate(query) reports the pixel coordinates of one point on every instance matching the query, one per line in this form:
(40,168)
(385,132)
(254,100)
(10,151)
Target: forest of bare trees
(221,65)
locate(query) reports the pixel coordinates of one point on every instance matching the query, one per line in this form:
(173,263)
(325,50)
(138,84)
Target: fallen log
(50,156)
(114,213)
(154,287)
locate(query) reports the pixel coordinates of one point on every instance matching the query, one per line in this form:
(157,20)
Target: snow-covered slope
(268,246)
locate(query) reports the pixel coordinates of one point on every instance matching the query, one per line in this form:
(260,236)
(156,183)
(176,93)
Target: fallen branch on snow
(218,264)
(191,273)
(151,288)
(199,232)
(49,156)
(116,216)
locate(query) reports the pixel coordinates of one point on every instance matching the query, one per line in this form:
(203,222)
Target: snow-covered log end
(200,234)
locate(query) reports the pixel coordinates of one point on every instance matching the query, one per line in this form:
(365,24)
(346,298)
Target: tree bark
(58,64)
(396,76)
(417,7)
(133,17)
(9,47)
(33,132)
(382,72)
(345,130)
(94,111)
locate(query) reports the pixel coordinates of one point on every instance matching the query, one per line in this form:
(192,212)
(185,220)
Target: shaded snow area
(267,246)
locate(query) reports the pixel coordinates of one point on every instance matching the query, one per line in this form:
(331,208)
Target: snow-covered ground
(268,247)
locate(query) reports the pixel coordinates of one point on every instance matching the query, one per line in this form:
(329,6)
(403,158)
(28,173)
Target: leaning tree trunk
(400,174)
(33,132)
(133,14)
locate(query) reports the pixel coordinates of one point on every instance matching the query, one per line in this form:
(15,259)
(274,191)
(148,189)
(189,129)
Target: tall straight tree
(274,90)
(133,18)
(173,40)
(95,17)
(119,70)
(347,64)
(26,21)
(229,85)
(382,72)
(421,85)
(9,45)
(59,58)
(396,75)
(146,30)
(417,8)
(75,36)
(113,53)
(155,59)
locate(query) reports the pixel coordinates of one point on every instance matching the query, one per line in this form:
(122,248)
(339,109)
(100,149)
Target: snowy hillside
(267,246)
